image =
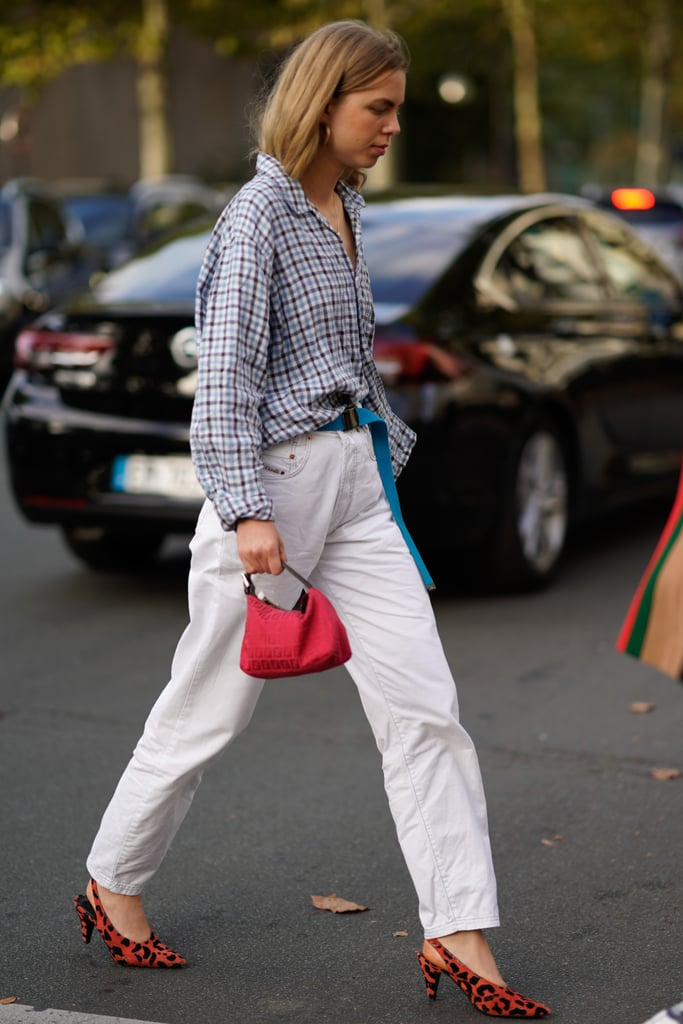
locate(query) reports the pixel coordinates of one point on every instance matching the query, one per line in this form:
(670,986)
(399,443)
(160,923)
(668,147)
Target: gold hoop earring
(326,134)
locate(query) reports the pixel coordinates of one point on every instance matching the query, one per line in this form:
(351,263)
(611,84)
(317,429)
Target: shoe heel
(432,975)
(86,916)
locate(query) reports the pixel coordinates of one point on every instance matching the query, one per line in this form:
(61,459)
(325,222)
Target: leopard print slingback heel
(485,996)
(152,953)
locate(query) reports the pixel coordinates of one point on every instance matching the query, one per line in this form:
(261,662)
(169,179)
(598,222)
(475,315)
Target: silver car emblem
(184,348)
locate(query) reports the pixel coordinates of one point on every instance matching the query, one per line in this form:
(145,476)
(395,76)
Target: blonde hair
(339,58)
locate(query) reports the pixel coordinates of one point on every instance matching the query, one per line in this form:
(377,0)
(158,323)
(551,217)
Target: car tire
(531,532)
(113,549)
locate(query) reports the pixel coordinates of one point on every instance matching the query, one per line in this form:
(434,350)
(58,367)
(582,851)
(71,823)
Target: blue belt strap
(352,418)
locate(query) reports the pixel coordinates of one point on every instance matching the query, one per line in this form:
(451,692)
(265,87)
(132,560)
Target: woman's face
(362,123)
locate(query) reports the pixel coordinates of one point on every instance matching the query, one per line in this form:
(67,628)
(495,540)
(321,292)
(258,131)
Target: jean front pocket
(369,443)
(287,458)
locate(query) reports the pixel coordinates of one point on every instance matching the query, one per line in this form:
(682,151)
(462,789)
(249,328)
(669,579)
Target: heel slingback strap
(361,417)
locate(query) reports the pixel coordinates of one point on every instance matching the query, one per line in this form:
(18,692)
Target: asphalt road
(587,844)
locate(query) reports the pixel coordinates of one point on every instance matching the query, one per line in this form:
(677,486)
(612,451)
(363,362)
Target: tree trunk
(530,167)
(152,86)
(652,157)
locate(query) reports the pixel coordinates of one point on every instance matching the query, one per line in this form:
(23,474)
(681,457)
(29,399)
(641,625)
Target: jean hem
(469,924)
(113,885)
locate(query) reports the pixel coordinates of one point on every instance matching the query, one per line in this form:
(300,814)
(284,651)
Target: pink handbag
(279,642)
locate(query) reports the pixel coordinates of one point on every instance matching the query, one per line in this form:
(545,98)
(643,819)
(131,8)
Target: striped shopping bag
(653,627)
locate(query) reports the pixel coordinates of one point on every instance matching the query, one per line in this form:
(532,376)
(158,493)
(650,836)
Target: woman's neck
(319,180)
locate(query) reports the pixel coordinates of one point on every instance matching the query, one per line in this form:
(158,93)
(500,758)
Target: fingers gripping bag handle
(279,642)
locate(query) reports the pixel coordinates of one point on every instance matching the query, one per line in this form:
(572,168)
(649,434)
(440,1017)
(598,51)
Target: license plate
(170,476)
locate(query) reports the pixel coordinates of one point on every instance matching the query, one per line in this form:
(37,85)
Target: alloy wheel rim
(542,501)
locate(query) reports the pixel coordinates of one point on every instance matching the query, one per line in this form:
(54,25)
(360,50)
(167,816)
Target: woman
(285,319)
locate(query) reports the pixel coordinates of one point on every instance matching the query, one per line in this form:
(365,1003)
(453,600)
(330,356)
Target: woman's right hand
(260,546)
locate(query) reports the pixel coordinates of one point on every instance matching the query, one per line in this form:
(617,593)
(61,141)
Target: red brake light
(52,350)
(632,199)
(398,359)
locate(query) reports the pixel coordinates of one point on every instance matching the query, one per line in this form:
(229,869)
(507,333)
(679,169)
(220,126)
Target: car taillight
(401,360)
(41,350)
(632,199)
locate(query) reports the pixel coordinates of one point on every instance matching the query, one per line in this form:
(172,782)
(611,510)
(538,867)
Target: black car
(42,260)
(535,344)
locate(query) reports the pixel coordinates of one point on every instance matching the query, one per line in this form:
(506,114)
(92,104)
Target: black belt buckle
(350,419)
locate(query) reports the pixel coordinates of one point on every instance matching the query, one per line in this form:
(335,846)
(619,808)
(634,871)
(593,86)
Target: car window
(46,228)
(632,268)
(549,260)
(105,218)
(168,274)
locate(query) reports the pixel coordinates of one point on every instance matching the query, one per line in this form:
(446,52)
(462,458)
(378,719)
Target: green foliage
(39,40)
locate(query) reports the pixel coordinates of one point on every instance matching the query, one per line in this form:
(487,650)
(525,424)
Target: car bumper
(61,463)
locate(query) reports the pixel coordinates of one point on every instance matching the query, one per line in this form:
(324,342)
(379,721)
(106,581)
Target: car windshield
(167,274)
(408,247)
(105,218)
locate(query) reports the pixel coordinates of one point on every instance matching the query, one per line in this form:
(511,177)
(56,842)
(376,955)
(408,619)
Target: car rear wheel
(111,548)
(532,529)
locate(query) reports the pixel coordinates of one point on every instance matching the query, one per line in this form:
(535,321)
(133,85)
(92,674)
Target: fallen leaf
(8,1000)
(641,707)
(663,774)
(399,934)
(551,842)
(336,904)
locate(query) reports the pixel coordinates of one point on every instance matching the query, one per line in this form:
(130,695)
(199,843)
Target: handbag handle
(249,586)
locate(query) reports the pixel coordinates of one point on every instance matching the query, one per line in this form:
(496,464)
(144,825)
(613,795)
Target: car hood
(389,312)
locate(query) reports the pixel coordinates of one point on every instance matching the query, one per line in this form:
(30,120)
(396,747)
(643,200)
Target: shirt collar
(294,193)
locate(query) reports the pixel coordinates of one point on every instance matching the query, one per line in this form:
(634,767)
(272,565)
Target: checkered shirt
(285,329)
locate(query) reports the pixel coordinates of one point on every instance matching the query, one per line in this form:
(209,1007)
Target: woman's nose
(392,126)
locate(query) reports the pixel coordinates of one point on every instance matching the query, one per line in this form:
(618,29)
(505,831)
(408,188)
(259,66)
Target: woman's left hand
(260,546)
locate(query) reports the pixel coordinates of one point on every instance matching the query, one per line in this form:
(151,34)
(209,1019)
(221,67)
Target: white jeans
(335,521)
